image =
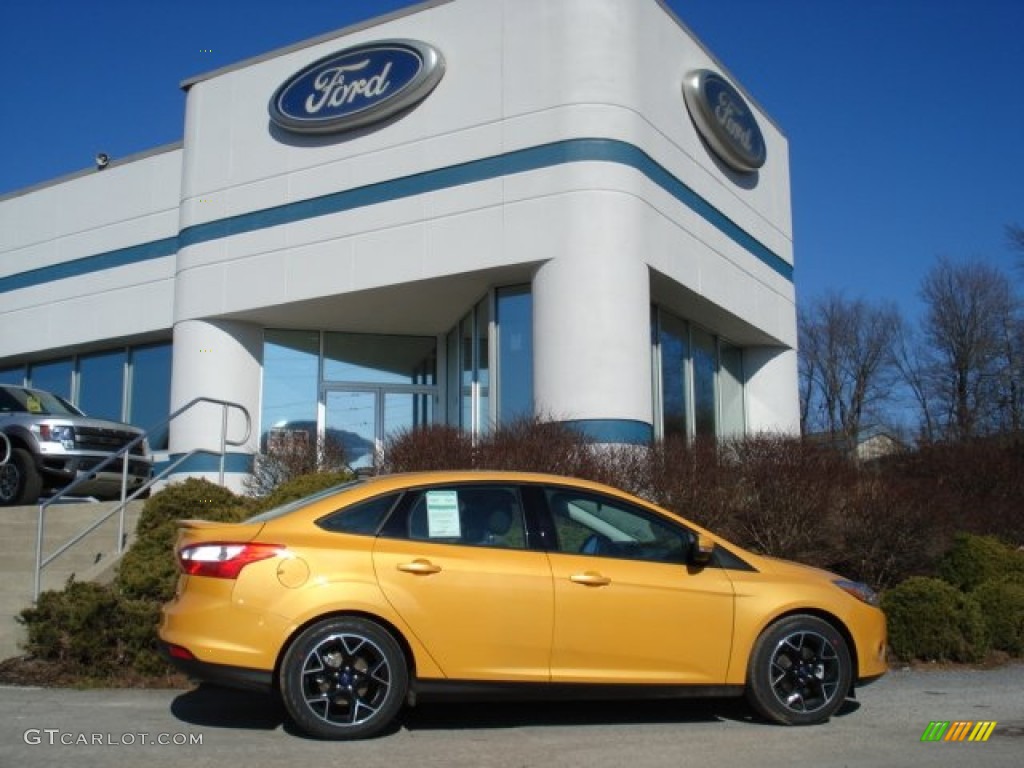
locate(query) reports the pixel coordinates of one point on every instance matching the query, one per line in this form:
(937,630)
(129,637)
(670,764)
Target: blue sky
(905,117)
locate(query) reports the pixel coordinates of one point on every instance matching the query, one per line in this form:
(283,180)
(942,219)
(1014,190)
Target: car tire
(799,672)
(20,483)
(344,678)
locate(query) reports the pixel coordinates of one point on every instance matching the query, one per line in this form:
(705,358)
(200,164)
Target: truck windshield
(22,400)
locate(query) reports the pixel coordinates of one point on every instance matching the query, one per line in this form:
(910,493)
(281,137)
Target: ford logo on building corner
(724,120)
(357,86)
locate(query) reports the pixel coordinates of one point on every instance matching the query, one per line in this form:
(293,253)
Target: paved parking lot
(208,726)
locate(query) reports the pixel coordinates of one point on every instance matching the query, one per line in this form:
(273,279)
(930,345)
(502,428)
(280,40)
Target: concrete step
(91,559)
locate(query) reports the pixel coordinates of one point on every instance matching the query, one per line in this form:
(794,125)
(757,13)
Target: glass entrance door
(360,419)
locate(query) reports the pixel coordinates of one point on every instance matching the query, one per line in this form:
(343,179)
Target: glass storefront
(354,390)
(699,381)
(370,386)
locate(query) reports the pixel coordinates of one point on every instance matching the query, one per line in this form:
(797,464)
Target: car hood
(788,567)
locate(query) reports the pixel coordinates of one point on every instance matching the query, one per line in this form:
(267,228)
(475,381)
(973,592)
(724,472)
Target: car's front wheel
(19,481)
(800,671)
(344,678)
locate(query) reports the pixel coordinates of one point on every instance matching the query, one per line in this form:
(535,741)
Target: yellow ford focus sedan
(359,599)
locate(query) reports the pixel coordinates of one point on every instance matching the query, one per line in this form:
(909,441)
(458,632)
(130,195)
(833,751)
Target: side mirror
(702,550)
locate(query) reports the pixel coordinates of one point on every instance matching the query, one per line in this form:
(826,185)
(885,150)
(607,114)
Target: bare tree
(968,372)
(847,362)
(913,364)
(1015,234)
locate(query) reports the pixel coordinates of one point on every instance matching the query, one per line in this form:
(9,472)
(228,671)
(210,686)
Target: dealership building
(461,213)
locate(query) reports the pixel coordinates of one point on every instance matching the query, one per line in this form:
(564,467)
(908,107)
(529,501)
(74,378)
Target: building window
(469,376)
(360,390)
(482,353)
(291,380)
(129,384)
(699,381)
(363,358)
(514,319)
(149,388)
(53,376)
(14,376)
(673,339)
(705,369)
(100,390)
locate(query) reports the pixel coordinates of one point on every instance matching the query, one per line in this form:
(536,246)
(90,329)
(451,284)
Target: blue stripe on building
(519,161)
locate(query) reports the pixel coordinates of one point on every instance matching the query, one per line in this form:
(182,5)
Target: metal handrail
(41,562)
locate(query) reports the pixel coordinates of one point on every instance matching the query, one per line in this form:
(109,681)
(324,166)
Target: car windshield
(22,400)
(291,506)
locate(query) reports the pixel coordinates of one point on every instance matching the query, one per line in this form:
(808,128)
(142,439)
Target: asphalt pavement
(212,727)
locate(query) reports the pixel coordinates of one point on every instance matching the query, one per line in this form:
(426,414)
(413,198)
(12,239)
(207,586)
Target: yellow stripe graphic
(982,730)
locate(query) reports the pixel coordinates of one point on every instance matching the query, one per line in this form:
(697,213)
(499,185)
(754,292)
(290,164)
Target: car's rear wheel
(800,671)
(344,678)
(19,481)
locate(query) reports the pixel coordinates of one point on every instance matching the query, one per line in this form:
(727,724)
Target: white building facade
(462,213)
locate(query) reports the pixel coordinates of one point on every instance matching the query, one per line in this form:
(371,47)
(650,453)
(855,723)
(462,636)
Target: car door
(454,563)
(628,609)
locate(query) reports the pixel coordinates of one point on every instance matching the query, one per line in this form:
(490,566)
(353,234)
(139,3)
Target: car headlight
(56,433)
(861,591)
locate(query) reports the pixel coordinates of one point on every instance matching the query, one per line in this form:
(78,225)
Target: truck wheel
(19,481)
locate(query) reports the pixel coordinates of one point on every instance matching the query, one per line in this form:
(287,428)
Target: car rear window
(363,517)
(291,506)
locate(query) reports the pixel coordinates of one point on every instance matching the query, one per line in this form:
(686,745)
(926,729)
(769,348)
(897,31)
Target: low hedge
(932,620)
(973,560)
(1002,605)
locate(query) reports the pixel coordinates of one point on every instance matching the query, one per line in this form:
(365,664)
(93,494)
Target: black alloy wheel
(800,671)
(344,678)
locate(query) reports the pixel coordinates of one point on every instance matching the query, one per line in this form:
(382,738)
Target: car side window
(474,515)
(591,524)
(364,517)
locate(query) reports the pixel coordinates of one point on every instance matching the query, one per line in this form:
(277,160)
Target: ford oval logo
(724,120)
(357,86)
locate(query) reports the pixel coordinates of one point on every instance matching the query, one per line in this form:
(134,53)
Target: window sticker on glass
(443,514)
(33,404)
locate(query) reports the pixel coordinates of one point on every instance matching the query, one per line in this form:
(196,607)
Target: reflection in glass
(705,366)
(101,384)
(352,424)
(150,400)
(53,376)
(515,352)
(404,411)
(291,361)
(454,391)
(14,376)
(379,359)
(675,353)
(483,363)
(466,356)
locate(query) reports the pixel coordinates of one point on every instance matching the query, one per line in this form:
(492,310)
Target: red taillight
(179,652)
(223,560)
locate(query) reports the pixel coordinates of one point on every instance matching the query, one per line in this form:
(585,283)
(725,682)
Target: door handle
(590,579)
(420,567)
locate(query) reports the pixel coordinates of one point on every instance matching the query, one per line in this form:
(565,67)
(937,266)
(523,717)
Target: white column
(221,360)
(592,349)
(773,403)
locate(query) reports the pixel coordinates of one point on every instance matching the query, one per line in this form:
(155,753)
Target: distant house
(871,444)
